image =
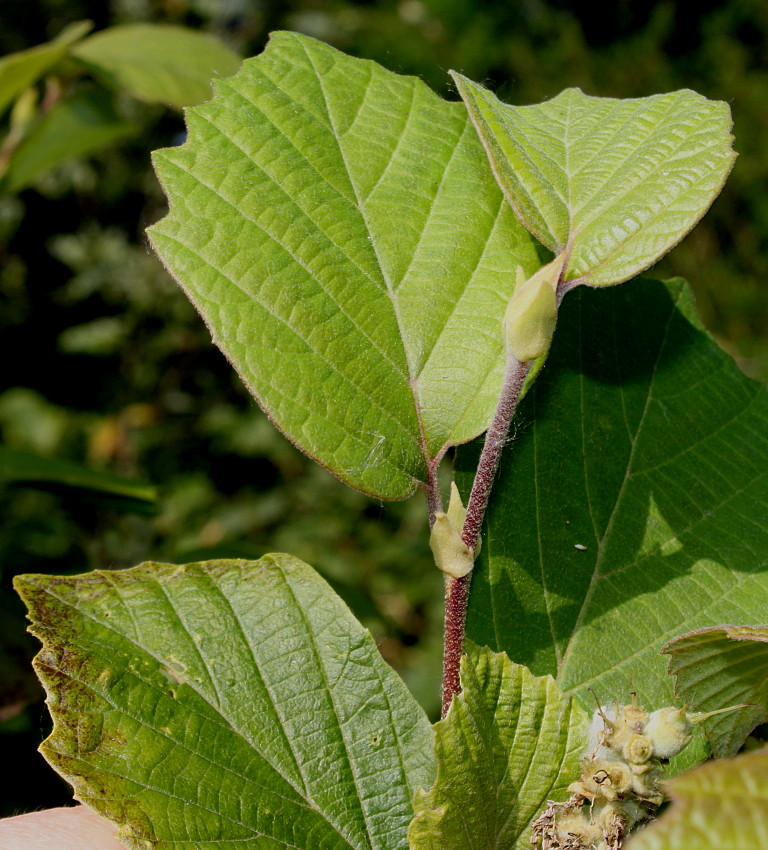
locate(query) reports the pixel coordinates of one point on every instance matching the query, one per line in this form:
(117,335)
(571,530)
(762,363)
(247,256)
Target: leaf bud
(531,315)
(452,555)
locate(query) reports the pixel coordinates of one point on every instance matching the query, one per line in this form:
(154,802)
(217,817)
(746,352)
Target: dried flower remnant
(620,783)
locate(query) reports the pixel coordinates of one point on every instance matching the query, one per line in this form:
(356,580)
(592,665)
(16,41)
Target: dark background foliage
(105,363)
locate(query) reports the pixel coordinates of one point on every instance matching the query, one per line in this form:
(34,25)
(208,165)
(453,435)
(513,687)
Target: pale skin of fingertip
(71,828)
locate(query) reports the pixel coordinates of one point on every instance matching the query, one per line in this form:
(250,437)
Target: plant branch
(457,589)
(495,438)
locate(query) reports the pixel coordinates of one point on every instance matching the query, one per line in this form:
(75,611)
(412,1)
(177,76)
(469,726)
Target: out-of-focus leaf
(20,70)
(156,62)
(76,126)
(339,228)
(511,741)
(719,667)
(722,805)
(228,703)
(612,183)
(49,473)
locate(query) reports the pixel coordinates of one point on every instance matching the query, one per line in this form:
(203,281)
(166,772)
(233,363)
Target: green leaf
(614,183)
(156,62)
(720,667)
(20,70)
(227,703)
(632,504)
(77,125)
(26,468)
(340,231)
(511,741)
(722,805)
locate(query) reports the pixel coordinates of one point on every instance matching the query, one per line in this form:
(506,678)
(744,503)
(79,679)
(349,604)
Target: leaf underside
(632,505)
(722,804)
(340,231)
(721,667)
(511,741)
(613,183)
(227,702)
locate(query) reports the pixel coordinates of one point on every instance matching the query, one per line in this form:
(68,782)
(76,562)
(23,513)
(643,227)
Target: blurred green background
(106,364)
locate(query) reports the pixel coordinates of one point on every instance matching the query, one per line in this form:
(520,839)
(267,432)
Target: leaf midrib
(423,441)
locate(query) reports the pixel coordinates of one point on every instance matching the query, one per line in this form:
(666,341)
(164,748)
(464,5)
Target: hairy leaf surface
(632,504)
(722,804)
(156,62)
(226,703)
(511,741)
(340,231)
(720,667)
(613,183)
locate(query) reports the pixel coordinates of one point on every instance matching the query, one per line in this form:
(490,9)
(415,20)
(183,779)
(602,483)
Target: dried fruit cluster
(620,784)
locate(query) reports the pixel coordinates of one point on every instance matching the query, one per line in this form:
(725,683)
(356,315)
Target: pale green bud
(669,731)
(452,555)
(531,316)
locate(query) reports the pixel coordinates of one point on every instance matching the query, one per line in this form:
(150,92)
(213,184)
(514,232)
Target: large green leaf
(18,467)
(340,231)
(226,703)
(156,62)
(510,742)
(613,183)
(632,504)
(720,667)
(20,70)
(77,125)
(722,805)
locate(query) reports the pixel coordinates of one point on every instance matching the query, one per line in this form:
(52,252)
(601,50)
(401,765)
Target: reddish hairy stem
(456,597)
(457,589)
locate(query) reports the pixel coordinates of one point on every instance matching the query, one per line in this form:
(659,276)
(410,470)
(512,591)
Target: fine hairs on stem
(528,326)
(457,589)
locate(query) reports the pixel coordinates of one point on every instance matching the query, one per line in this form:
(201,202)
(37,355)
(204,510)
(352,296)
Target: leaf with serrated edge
(613,183)
(720,667)
(340,231)
(632,505)
(722,805)
(158,63)
(510,742)
(226,703)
